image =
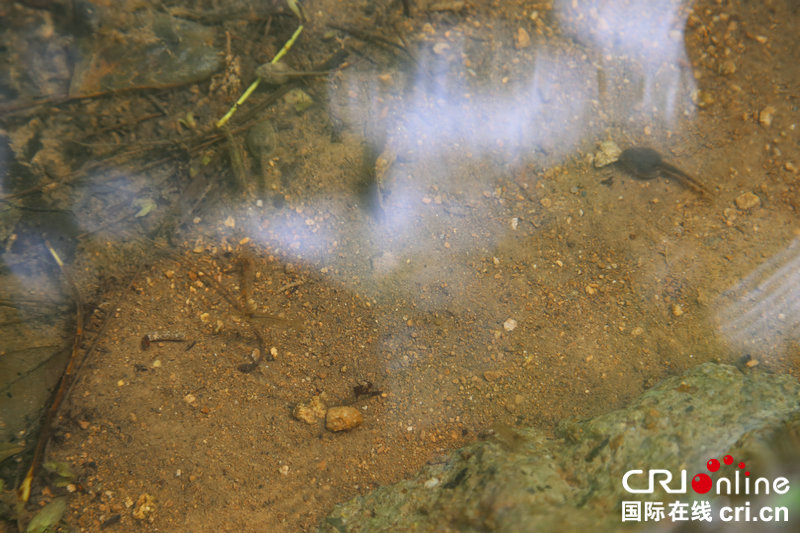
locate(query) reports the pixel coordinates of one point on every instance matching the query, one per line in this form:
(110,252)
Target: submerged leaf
(48,518)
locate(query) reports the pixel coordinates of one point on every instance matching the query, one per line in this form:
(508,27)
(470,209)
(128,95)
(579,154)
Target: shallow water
(435,227)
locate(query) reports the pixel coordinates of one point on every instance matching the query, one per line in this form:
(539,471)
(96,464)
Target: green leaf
(299,99)
(48,518)
(145,205)
(60,468)
(7,449)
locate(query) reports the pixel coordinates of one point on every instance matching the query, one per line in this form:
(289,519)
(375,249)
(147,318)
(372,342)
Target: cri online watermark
(641,482)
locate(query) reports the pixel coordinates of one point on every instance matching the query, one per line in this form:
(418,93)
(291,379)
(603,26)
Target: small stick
(291,285)
(166,336)
(253,86)
(24,488)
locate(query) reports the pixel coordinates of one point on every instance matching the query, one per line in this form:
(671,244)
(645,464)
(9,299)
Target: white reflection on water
(649,33)
(623,62)
(553,102)
(762,312)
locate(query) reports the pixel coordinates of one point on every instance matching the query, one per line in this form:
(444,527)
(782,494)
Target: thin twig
(24,489)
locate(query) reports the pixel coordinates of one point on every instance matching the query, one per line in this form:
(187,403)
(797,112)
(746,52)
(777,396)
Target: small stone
(607,153)
(730,215)
(703,99)
(677,310)
(590,290)
(145,505)
(311,410)
(727,68)
(521,39)
(492,375)
(790,167)
(431,483)
(230,222)
(638,330)
(440,48)
(343,418)
(747,201)
(766,115)
(509,324)
(299,99)
(546,202)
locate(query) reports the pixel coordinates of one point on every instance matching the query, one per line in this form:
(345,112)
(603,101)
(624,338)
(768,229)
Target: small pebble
(311,410)
(747,200)
(766,115)
(608,153)
(703,99)
(343,418)
(440,48)
(492,375)
(727,68)
(677,310)
(521,39)
(432,482)
(509,324)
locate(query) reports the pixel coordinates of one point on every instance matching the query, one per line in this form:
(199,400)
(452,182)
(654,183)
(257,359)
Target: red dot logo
(728,460)
(701,483)
(712,465)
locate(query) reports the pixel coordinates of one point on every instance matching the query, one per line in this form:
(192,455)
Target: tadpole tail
(685,179)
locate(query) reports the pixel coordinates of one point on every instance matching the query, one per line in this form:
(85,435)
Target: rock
(492,375)
(343,418)
(312,410)
(145,506)
(298,99)
(727,68)
(607,154)
(703,99)
(150,50)
(766,115)
(747,200)
(574,482)
(521,39)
